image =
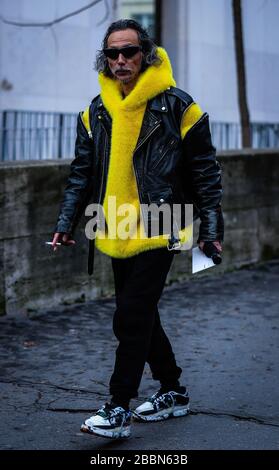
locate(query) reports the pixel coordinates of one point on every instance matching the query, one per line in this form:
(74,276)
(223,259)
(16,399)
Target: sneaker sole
(117,433)
(161,415)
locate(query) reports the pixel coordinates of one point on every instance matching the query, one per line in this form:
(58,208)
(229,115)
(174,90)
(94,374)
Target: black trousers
(139,282)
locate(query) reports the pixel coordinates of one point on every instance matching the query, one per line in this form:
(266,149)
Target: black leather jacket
(167,168)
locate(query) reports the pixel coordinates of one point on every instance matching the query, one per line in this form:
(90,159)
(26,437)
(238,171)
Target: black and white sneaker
(163,405)
(109,421)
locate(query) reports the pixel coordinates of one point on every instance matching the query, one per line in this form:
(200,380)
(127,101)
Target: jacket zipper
(204,116)
(168,147)
(104,164)
(134,168)
(136,149)
(146,137)
(89,133)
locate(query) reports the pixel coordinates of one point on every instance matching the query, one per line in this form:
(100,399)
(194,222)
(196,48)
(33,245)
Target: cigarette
(50,243)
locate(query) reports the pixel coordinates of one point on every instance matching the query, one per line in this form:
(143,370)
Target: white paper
(200,261)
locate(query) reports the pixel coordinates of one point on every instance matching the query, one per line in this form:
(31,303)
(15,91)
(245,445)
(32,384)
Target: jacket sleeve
(79,185)
(204,176)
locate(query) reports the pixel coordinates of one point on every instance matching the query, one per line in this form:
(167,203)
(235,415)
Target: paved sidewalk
(55,369)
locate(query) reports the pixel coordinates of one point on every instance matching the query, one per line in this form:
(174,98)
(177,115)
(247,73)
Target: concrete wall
(32,277)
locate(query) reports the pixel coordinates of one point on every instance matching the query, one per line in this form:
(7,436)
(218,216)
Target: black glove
(211,251)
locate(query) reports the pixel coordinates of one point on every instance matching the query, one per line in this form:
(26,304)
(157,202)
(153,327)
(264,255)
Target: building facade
(47,73)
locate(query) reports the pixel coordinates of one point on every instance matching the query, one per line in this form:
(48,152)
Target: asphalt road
(55,369)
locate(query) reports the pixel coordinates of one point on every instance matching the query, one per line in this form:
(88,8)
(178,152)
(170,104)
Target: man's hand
(63,238)
(217,244)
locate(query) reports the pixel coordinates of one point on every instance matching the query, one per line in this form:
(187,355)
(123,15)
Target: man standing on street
(142,141)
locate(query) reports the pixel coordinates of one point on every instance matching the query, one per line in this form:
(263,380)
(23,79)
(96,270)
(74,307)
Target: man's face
(125,70)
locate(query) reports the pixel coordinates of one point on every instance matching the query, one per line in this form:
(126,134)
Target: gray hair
(149,48)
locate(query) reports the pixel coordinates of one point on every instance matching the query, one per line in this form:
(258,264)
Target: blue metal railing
(26,135)
(227,136)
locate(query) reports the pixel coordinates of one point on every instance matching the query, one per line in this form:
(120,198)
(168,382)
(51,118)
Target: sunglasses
(128,52)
